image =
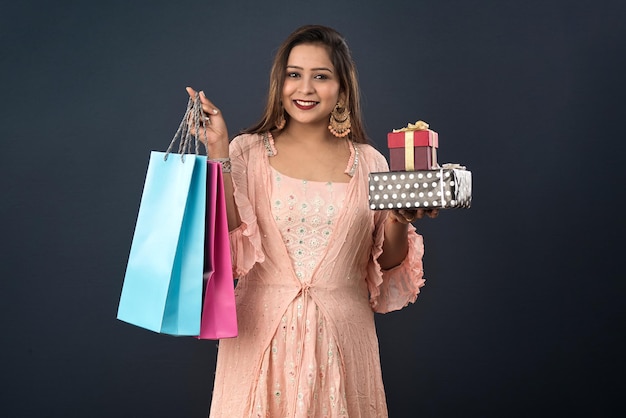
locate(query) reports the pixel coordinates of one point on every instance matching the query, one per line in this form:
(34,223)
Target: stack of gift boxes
(416,180)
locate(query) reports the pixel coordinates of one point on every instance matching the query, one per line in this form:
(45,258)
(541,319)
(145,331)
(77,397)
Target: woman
(313,260)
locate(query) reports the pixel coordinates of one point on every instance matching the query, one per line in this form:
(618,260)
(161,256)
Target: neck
(308,133)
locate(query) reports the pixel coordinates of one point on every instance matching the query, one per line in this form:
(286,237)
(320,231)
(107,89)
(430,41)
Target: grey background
(523,312)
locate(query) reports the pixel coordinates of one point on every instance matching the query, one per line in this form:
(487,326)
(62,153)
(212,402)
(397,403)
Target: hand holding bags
(163,287)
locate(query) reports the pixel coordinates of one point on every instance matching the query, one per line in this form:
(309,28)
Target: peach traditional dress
(309,280)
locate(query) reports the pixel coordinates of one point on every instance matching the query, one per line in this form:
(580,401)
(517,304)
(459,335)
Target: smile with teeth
(302,104)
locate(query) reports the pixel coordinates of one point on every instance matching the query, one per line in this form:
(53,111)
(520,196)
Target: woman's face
(311,88)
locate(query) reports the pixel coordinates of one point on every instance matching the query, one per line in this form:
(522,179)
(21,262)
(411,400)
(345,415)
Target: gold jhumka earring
(340,121)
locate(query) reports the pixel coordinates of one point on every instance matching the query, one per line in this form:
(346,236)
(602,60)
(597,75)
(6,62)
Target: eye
(321,77)
(293,74)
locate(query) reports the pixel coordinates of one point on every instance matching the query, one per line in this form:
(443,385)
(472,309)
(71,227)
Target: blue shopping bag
(162,288)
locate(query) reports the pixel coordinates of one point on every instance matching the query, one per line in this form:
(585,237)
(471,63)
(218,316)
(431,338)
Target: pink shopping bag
(219,316)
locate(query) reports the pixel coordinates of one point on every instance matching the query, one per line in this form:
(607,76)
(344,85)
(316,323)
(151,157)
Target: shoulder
(245,143)
(245,140)
(372,158)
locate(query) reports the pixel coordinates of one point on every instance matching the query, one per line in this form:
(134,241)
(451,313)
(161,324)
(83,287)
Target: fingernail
(202,93)
(215,111)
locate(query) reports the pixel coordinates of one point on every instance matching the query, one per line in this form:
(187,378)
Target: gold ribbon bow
(420,125)
(409,141)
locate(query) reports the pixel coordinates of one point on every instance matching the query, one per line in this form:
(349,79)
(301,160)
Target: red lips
(304,104)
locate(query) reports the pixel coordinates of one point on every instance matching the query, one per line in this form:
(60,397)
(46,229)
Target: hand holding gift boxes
(416,181)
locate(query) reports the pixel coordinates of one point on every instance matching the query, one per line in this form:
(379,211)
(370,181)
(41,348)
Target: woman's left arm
(395,244)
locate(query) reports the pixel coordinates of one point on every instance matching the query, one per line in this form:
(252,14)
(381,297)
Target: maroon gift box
(411,149)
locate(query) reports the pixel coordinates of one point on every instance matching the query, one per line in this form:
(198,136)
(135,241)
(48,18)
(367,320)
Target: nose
(306,85)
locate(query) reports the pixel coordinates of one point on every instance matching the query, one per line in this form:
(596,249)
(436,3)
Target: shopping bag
(219,316)
(162,288)
(179,279)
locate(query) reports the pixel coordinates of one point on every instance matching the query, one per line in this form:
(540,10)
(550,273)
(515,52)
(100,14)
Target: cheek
(332,91)
(288,88)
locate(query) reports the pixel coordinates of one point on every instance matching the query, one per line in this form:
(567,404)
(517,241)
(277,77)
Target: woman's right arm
(214,135)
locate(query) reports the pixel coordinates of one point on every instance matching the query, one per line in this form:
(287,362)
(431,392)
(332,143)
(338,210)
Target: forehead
(310,56)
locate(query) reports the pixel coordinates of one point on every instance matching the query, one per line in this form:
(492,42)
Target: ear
(342,99)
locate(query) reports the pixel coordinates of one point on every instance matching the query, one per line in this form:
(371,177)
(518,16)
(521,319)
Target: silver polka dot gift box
(447,187)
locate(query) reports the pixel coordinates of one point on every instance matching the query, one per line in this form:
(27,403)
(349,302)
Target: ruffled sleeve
(245,240)
(393,289)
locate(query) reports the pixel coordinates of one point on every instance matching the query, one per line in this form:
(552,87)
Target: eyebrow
(313,69)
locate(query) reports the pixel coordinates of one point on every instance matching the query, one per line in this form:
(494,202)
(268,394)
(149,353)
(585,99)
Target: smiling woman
(313,261)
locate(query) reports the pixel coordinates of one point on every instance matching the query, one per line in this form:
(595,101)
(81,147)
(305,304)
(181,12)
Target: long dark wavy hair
(344,66)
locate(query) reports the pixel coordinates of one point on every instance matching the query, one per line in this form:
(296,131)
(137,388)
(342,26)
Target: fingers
(207,106)
(212,129)
(192,93)
(406,216)
(431,213)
